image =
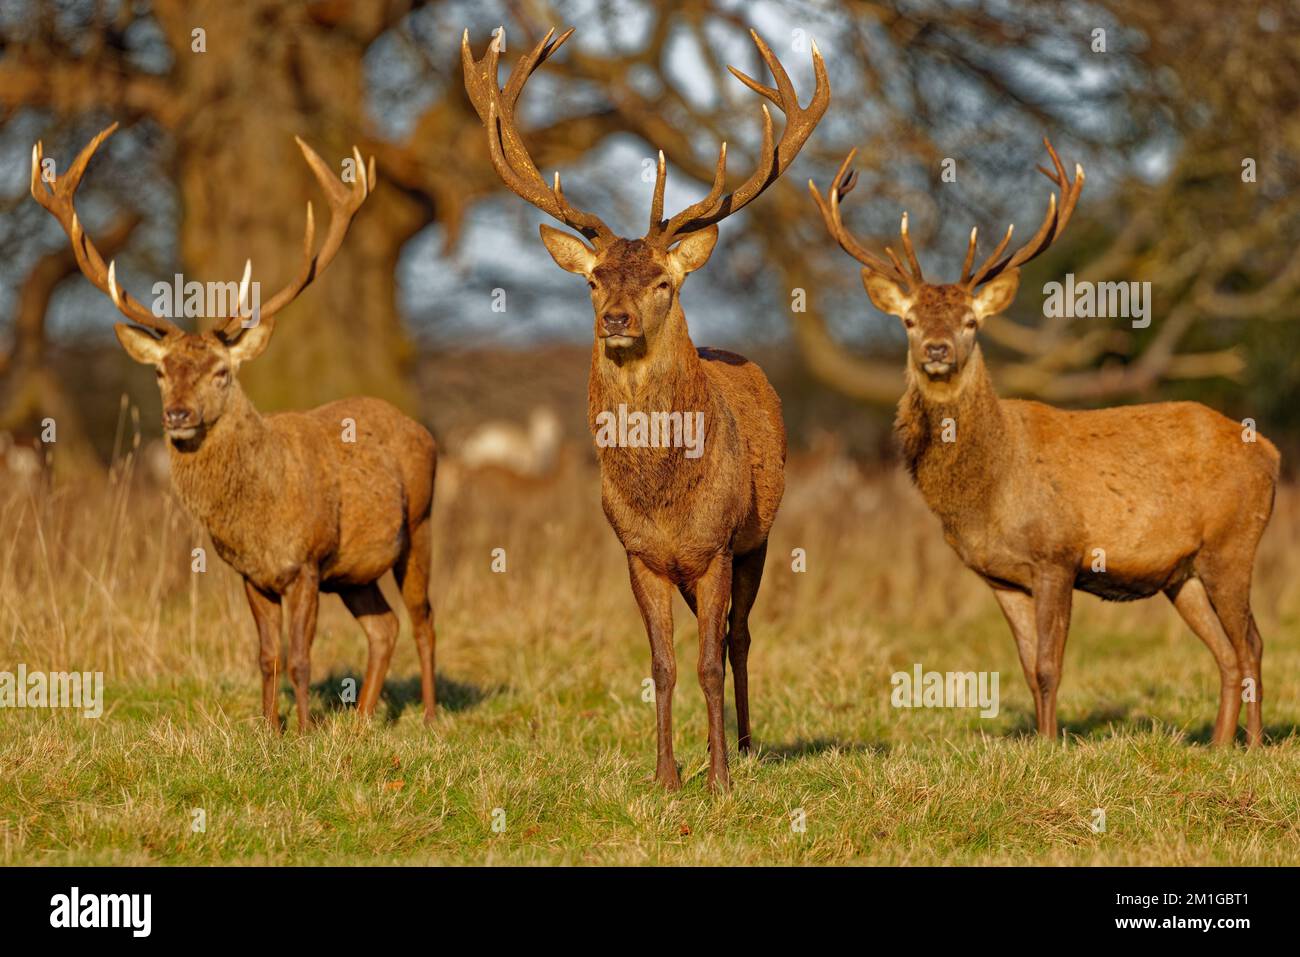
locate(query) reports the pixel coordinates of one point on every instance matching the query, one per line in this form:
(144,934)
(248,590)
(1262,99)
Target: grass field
(541,670)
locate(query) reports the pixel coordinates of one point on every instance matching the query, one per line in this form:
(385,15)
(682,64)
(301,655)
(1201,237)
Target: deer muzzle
(938,359)
(619,328)
(180,422)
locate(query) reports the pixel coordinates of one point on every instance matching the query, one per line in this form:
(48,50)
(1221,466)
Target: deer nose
(615,323)
(176,416)
(938,351)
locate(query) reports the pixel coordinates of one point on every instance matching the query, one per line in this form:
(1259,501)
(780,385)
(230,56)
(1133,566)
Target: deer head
(942,320)
(634,282)
(196,369)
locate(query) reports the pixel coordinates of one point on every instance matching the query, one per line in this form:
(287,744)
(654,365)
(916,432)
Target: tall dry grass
(97,576)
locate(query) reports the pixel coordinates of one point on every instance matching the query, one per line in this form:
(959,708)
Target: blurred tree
(1163,114)
(229,84)
(1164,102)
(29,389)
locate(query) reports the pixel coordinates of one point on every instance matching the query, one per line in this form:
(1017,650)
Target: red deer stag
(699,519)
(298,502)
(1122,502)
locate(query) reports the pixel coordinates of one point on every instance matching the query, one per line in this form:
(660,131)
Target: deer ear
(886,295)
(140,345)
(568,251)
(252,342)
(694,251)
(997,295)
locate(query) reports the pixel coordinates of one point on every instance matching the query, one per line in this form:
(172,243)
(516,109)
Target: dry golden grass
(541,672)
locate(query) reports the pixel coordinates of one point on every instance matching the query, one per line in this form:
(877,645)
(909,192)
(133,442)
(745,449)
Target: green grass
(541,672)
(569,761)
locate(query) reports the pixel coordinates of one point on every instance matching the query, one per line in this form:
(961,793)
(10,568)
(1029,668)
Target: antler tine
(913,268)
(912,261)
(230,325)
(480,75)
(344,200)
(1069,191)
(657,200)
(970,255)
(528,64)
(844,181)
(570,213)
(898,265)
(784,92)
(983,273)
(58,198)
(1058,215)
(774,160)
(666,231)
(510,158)
(847,180)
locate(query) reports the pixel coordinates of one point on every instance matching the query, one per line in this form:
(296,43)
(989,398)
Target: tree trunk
(30,390)
(267,74)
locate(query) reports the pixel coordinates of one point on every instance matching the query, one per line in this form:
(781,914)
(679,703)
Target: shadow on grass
(399,694)
(813,747)
(1273,733)
(1115,717)
(1101,722)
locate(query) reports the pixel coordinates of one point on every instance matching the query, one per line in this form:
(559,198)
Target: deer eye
(591,284)
(663,285)
(971,323)
(158,373)
(909,322)
(221,376)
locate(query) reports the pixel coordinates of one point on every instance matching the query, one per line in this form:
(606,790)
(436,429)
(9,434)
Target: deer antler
(344,201)
(800,122)
(1058,214)
(910,277)
(58,197)
(496,108)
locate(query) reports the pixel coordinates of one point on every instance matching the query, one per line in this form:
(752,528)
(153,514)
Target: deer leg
(1053,594)
(412,574)
(1018,608)
(266,613)
(713,592)
(379,622)
(746,576)
(1193,603)
(1227,582)
(654,597)
(303,599)
(1255,707)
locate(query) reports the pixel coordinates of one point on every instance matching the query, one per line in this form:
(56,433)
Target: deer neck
(955,439)
(667,377)
(235,467)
